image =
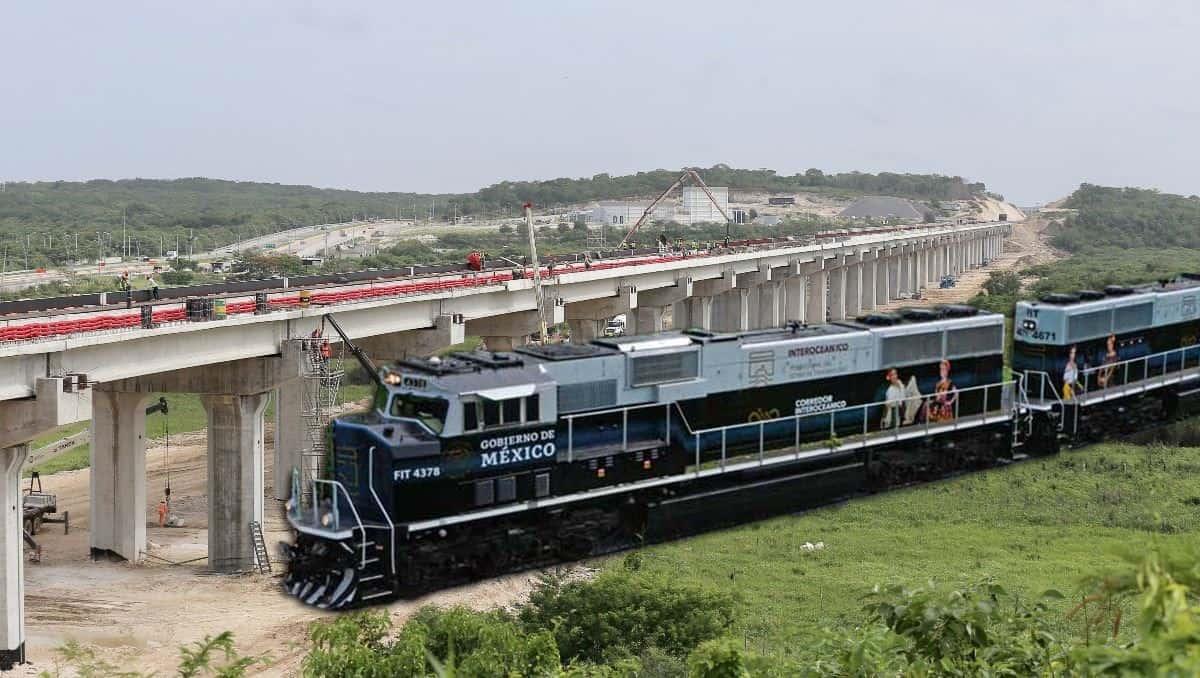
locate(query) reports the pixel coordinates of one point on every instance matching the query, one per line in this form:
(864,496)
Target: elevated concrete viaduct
(234,362)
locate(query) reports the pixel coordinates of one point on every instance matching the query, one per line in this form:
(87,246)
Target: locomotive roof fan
(919,315)
(958,311)
(1061,299)
(1117,290)
(878,319)
(1090,295)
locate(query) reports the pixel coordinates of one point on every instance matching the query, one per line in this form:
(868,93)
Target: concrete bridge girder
(447,330)
(25,419)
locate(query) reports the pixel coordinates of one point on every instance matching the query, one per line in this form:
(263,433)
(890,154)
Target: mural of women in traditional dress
(945,395)
(1111,358)
(1070,378)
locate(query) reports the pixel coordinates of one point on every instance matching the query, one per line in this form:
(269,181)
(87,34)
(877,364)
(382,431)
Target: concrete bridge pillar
(731,311)
(681,315)
(700,312)
(904,273)
(837,293)
(816,312)
(118,474)
(235,477)
(587,319)
(654,304)
(12,574)
(584,330)
(795,289)
(883,287)
(869,288)
(645,320)
(918,269)
(853,298)
(770,305)
(703,307)
(234,395)
(291,436)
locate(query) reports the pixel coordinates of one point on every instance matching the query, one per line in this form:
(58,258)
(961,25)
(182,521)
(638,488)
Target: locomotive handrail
(1007,402)
(1162,359)
(898,433)
(894,430)
(336,522)
(382,510)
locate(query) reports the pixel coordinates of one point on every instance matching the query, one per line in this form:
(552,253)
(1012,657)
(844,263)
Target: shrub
(177,277)
(617,615)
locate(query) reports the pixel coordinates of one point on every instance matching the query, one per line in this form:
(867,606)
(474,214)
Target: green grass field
(1032,526)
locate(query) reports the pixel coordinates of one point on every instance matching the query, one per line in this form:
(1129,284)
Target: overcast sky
(1030,97)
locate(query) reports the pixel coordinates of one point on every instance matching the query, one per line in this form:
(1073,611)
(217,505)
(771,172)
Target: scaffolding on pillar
(322,372)
(597,237)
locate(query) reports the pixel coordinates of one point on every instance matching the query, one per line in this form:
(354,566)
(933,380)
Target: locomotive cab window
(428,411)
(482,413)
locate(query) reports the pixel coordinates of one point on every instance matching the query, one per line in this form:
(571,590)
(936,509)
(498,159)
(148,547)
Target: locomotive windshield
(429,411)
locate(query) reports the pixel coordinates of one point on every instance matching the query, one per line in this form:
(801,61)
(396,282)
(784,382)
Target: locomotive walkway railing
(1103,383)
(996,408)
(902,425)
(1150,372)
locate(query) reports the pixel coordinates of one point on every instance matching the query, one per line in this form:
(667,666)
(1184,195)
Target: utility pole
(26,251)
(124,240)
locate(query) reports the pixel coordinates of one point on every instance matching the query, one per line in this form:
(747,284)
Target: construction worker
(153,286)
(162,512)
(126,287)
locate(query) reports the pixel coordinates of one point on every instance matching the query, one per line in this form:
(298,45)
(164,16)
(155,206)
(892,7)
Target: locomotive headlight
(1029,324)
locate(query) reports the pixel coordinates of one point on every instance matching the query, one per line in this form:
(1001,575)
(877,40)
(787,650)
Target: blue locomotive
(1097,363)
(484,462)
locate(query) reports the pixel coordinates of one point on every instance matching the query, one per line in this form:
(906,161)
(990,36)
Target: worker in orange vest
(162,512)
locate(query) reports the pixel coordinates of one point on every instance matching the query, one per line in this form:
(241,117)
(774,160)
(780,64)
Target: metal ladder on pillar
(261,559)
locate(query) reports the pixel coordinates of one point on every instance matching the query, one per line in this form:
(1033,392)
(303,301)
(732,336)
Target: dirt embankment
(1029,245)
(137,616)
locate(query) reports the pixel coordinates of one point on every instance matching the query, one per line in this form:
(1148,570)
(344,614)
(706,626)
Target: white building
(698,209)
(617,213)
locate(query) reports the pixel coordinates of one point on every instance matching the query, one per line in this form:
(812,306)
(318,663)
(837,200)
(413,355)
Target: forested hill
(54,215)
(1128,218)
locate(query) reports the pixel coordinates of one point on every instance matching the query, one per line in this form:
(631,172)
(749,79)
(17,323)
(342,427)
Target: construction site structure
(597,236)
(688,174)
(322,372)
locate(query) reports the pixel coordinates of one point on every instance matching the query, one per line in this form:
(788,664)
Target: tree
(253,265)
(1002,284)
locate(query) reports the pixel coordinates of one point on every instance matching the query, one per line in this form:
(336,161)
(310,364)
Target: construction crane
(688,173)
(539,294)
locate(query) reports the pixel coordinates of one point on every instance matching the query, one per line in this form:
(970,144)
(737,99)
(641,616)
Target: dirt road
(137,616)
